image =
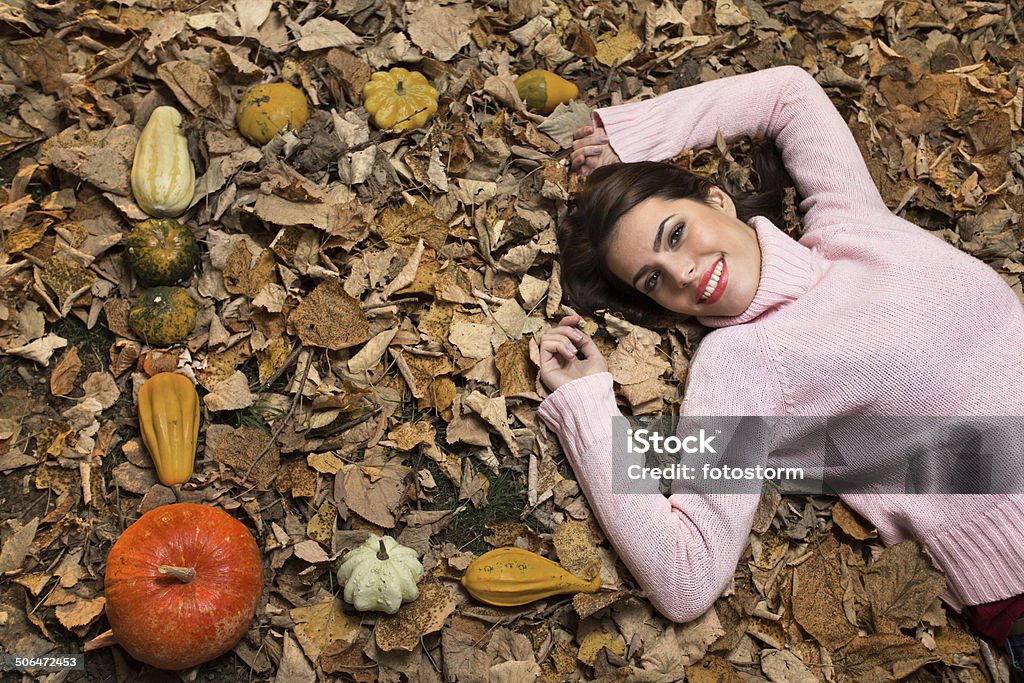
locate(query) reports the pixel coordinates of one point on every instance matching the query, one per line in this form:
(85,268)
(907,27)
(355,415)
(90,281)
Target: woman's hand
(591,150)
(558,347)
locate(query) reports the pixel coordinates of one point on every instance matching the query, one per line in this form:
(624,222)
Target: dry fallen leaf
(321,624)
(78,615)
(329,317)
(65,372)
(376,493)
(425,614)
(901,584)
(16,547)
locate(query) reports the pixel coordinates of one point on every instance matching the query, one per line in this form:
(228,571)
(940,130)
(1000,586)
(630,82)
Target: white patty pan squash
(163,177)
(380,574)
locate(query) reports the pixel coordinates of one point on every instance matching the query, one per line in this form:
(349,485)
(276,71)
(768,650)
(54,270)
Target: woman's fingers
(583,132)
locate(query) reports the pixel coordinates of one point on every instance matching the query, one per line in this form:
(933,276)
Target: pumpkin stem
(400,88)
(183,574)
(382,554)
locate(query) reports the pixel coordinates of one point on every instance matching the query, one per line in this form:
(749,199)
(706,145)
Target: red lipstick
(723,280)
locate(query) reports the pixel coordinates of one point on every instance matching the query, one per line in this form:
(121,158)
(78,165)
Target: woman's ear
(720,199)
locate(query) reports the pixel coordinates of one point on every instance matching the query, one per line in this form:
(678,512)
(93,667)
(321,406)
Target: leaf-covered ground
(369,304)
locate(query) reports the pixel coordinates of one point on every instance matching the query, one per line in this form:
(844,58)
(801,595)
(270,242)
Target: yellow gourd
(169,422)
(542,90)
(399,99)
(512,576)
(267,109)
(163,177)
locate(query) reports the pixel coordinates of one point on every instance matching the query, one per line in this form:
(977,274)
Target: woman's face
(690,257)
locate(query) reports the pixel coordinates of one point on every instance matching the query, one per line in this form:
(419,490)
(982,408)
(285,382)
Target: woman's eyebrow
(656,247)
(657,235)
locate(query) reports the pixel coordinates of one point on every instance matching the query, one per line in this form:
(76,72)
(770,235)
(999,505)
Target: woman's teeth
(713,282)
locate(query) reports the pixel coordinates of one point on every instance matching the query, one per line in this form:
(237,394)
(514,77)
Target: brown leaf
(101,157)
(321,525)
(50,63)
(587,604)
(376,492)
(901,584)
(25,237)
(406,224)
(518,374)
(310,551)
(853,524)
(65,372)
(408,435)
(353,71)
(881,658)
(329,317)
(321,624)
(67,279)
(619,48)
(101,386)
(236,451)
(80,614)
(230,394)
(294,667)
(441,30)
(194,86)
(134,479)
(712,669)
(951,641)
(818,598)
(17,545)
(576,550)
(473,486)
(594,641)
(244,274)
(426,614)
(297,479)
(784,665)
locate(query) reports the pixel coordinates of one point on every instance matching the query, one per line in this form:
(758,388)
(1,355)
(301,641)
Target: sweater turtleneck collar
(785,274)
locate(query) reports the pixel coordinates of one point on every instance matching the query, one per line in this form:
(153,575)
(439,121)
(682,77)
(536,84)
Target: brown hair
(609,193)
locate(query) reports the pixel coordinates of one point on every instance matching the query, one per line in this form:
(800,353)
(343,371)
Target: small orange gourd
(169,422)
(399,99)
(542,90)
(512,576)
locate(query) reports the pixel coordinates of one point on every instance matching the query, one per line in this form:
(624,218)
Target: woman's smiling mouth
(713,283)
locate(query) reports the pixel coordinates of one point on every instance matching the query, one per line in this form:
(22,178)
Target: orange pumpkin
(182,585)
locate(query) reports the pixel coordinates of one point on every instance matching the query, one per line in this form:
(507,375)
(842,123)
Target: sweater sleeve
(784,104)
(682,549)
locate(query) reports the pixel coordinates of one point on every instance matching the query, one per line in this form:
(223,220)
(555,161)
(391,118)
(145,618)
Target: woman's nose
(687,273)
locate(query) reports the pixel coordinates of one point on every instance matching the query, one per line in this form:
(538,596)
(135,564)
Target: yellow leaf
(319,625)
(618,49)
(596,640)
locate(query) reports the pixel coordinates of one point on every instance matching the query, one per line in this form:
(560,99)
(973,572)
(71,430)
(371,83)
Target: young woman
(866,315)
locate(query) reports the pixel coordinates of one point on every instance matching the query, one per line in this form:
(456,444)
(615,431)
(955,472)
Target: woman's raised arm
(683,549)
(784,104)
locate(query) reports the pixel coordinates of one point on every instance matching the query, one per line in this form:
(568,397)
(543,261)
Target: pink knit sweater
(867,314)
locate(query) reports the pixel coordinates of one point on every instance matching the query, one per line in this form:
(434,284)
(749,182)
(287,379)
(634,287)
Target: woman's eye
(652,281)
(676,235)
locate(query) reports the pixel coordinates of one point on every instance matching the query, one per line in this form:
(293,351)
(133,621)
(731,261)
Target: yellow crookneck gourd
(163,177)
(543,90)
(169,422)
(510,576)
